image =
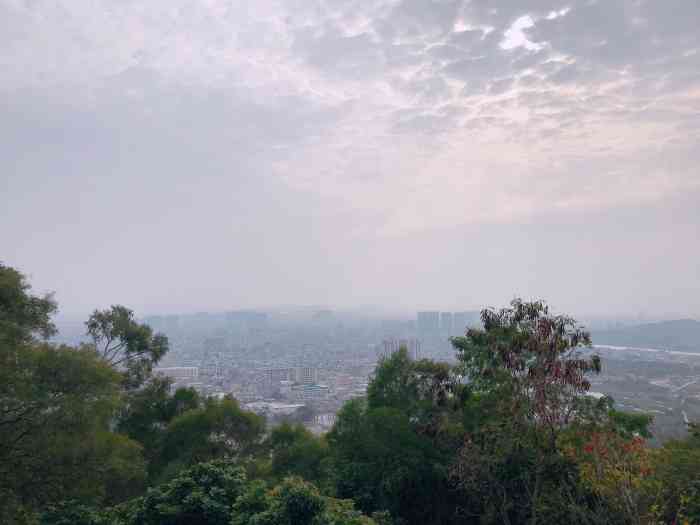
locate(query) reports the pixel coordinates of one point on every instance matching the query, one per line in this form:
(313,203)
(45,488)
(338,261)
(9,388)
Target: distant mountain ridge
(680,334)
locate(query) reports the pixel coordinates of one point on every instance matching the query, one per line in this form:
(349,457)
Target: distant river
(671,352)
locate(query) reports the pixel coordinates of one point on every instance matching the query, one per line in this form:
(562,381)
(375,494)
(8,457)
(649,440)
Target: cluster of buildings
(296,383)
(181,376)
(443,324)
(299,366)
(390,346)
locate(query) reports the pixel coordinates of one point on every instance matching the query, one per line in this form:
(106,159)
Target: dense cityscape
(303,364)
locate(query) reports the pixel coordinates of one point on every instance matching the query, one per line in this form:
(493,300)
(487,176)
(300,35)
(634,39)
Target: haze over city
(187,156)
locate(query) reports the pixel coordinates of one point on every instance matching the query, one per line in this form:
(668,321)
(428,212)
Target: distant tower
(428,324)
(446,321)
(463,320)
(459,323)
(390,346)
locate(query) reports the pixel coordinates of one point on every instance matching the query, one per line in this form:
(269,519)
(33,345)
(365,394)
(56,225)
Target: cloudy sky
(205,155)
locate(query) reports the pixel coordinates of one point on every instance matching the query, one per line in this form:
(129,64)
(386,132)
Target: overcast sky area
(177,156)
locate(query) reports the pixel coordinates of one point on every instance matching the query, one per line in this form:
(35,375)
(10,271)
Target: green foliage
(200,495)
(23,316)
(219,429)
(147,412)
(296,451)
(73,512)
(507,476)
(526,378)
(393,453)
(126,344)
(293,502)
(382,462)
(54,437)
(217,493)
(674,485)
(394,384)
(56,407)
(530,360)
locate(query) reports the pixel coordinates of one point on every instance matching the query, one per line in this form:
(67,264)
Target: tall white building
(446,319)
(428,324)
(389,346)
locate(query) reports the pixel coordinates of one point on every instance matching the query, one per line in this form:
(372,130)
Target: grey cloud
(274,144)
(472,39)
(432,18)
(566,74)
(446,52)
(426,123)
(623,33)
(353,56)
(500,86)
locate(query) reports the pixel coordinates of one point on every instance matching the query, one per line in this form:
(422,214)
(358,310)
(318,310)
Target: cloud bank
(184,154)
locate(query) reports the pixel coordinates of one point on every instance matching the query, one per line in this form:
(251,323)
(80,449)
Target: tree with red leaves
(526,373)
(532,360)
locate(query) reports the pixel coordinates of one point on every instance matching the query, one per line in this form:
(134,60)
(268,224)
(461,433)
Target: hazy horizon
(403,155)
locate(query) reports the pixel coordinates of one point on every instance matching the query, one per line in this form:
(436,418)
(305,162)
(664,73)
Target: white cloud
(515,36)
(553,15)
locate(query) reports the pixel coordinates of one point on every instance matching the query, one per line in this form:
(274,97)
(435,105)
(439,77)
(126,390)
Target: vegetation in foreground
(89,437)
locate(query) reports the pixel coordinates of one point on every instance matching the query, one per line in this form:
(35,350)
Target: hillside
(681,334)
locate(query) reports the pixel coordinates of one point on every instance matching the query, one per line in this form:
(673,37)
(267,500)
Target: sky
(179,156)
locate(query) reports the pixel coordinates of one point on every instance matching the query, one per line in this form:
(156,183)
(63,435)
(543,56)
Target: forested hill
(681,334)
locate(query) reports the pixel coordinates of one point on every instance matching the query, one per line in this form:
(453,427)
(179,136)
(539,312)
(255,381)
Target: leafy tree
(296,451)
(613,458)
(531,360)
(126,344)
(616,467)
(293,502)
(56,407)
(217,493)
(674,484)
(201,495)
(55,441)
(506,478)
(72,512)
(220,429)
(146,413)
(23,316)
(382,462)
(394,452)
(525,374)
(426,391)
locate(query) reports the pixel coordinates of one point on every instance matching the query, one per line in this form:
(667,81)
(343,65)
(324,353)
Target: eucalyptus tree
(126,344)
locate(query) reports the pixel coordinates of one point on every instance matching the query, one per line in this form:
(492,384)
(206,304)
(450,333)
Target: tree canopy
(126,344)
